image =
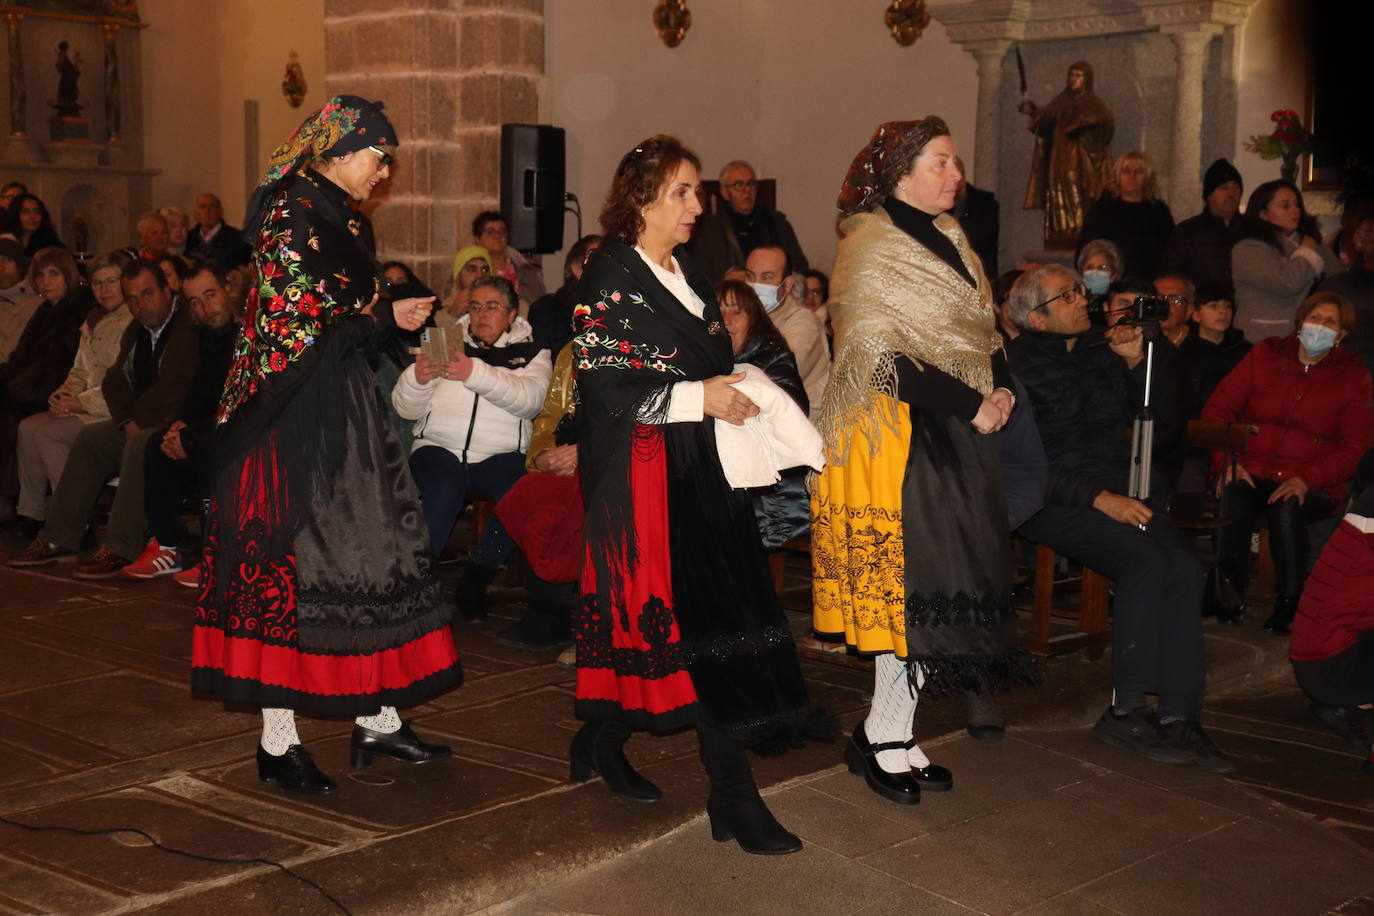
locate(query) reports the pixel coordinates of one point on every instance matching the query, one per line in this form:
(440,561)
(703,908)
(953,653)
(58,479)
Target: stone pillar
(1185,152)
(112,106)
(18,94)
(450,76)
(987,141)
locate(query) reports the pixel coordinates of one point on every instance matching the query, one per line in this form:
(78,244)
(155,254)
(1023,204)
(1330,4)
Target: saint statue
(68,72)
(1073,156)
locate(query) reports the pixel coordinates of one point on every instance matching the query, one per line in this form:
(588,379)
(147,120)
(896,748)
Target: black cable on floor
(180,852)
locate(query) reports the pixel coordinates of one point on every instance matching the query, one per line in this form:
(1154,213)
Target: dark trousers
(1157,616)
(446,483)
(1289,543)
(169,483)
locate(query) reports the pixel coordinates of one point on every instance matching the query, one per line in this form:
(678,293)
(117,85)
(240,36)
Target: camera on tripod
(1143,310)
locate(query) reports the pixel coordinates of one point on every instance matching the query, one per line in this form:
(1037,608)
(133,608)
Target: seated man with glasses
(724,239)
(472,423)
(1085,388)
(489,229)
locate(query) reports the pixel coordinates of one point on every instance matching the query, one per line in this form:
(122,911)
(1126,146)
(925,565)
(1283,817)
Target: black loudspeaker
(532,185)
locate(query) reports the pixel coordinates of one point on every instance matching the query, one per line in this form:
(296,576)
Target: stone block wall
(451,73)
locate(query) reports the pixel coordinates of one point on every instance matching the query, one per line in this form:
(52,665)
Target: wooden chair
(1093,628)
(777,568)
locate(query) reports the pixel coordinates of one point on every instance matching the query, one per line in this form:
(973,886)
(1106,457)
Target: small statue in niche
(293,86)
(1073,155)
(68,72)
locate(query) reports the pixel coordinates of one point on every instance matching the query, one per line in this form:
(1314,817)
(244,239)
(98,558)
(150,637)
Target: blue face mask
(1316,338)
(768,295)
(1097,281)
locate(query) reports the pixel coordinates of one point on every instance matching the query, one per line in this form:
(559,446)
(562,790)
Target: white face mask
(1097,281)
(767,294)
(1316,338)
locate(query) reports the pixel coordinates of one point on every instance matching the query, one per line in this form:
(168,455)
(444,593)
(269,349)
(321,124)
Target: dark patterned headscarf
(885,158)
(345,124)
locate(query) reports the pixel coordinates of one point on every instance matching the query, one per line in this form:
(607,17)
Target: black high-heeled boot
(735,809)
(1280,623)
(294,771)
(599,749)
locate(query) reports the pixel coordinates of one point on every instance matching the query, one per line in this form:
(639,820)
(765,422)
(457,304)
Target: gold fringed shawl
(891,296)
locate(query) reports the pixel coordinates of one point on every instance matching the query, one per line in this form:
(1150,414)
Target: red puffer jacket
(1315,422)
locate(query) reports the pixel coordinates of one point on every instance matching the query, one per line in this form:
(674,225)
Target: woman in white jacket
(473,419)
(45,439)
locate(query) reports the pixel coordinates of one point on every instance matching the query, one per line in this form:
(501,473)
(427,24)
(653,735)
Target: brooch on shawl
(713,328)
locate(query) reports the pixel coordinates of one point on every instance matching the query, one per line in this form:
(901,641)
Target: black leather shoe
(748,822)
(403,744)
(901,788)
(294,771)
(933,778)
(599,748)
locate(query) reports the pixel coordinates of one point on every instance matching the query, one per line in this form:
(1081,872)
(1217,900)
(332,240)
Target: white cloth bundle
(780,437)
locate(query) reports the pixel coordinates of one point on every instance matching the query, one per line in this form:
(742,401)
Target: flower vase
(1288,171)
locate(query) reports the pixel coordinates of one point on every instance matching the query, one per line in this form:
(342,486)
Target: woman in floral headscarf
(910,552)
(318,594)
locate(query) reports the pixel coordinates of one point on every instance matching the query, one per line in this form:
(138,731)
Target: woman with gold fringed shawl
(910,550)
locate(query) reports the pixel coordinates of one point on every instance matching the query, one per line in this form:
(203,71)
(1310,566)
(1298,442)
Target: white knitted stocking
(386,721)
(278,731)
(894,708)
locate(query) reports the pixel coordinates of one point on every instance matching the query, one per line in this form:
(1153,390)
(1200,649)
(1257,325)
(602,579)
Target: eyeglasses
(1177,300)
(476,307)
(494,231)
(741,185)
(1068,294)
(384,159)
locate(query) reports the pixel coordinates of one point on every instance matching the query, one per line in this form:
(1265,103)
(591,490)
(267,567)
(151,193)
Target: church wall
(201,61)
(794,86)
(1274,68)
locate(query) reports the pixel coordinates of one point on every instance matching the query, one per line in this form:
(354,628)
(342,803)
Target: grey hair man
(725,238)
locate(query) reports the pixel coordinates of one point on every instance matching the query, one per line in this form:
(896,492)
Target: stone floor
(100,733)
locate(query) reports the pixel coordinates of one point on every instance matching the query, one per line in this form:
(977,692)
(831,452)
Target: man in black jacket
(178,456)
(1200,247)
(724,239)
(1084,388)
(212,237)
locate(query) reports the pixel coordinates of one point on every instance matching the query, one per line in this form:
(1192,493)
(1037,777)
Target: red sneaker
(188,577)
(154,561)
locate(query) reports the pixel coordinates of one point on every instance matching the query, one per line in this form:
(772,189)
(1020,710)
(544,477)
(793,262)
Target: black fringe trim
(952,675)
(776,735)
(362,634)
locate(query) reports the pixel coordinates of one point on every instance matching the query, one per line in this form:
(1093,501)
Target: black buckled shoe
(859,754)
(403,744)
(294,771)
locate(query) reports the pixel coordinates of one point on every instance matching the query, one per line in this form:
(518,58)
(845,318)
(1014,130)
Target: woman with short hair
(1310,399)
(1130,214)
(1100,265)
(679,623)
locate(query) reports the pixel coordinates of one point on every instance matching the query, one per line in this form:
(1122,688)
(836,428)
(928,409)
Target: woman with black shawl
(318,594)
(679,624)
(910,550)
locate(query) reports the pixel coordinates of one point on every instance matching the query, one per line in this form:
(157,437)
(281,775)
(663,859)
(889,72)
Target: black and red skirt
(345,616)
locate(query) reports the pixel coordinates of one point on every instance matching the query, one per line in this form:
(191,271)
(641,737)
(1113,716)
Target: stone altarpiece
(87,169)
(1168,69)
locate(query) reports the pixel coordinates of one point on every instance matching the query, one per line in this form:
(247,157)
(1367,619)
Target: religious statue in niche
(68,72)
(1073,155)
(293,85)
